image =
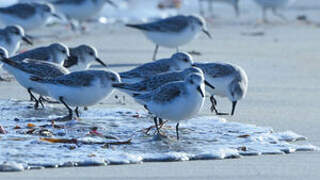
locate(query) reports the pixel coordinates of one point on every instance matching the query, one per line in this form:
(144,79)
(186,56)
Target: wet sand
(284,93)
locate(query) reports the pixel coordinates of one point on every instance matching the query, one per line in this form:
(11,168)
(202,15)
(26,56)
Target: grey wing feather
(67,2)
(21,10)
(42,69)
(163,94)
(38,54)
(216,70)
(171,24)
(75,79)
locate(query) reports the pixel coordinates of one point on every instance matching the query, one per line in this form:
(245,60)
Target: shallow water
(205,137)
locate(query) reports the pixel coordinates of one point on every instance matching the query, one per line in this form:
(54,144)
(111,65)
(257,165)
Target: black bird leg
(155,52)
(213,106)
(76,110)
(177,131)
(36,104)
(156,124)
(69,109)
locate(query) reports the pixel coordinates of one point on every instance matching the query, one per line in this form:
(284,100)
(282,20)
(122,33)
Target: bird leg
(69,109)
(76,110)
(36,104)
(213,106)
(40,100)
(234,103)
(155,52)
(155,119)
(177,131)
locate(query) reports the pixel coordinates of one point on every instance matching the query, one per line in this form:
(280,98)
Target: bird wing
(37,54)
(172,25)
(21,10)
(216,70)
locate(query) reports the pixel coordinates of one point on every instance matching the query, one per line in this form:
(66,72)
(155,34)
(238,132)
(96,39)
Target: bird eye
(191,82)
(64,51)
(91,54)
(185,60)
(113,79)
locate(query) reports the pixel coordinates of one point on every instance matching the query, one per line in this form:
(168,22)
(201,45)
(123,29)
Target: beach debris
(75,141)
(257,33)
(30,125)
(11,167)
(2,130)
(244,136)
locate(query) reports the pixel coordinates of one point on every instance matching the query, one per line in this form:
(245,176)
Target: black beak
(101,62)
(56,16)
(234,103)
(27,40)
(112,3)
(207,33)
(208,84)
(200,90)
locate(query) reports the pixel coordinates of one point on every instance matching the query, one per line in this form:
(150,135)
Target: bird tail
(36,78)
(119,85)
(9,62)
(136,26)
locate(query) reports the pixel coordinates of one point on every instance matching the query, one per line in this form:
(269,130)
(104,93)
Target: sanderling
(82,57)
(80,10)
(229,80)
(27,68)
(27,15)
(11,37)
(80,88)
(55,53)
(175,101)
(234,3)
(274,5)
(148,85)
(172,32)
(177,62)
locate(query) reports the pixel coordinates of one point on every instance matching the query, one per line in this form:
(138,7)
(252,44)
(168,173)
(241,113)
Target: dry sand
(284,93)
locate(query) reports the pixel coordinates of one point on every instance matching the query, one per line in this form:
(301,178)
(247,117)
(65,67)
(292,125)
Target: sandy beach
(282,60)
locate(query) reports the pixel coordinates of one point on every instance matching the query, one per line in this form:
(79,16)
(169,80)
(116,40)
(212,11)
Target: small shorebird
(24,70)
(55,53)
(80,88)
(27,15)
(175,101)
(172,32)
(11,37)
(81,57)
(177,62)
(148,85)
(229,80)
(80,10)
(234,3)
(274,5)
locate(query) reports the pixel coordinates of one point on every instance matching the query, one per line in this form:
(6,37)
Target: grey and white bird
(177,62)
(55,53)
(233,3)
(11,37)
(80,88)
(81,58)
(80,10)
(27,15)
(274,5)
(148,85)
(229,80)
(24,70)
(175,101)
(172,32)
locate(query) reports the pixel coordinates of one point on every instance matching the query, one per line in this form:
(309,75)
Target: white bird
(274,5)
(81,58)
(175,101)
(234,3)
(23,70)
(177,62)
(80,88)
(28,15)
(172,32)
(80,10)
(11,37)
(55,53)
(229,80)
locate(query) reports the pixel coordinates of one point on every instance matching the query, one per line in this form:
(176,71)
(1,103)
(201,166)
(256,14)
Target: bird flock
(172,88)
